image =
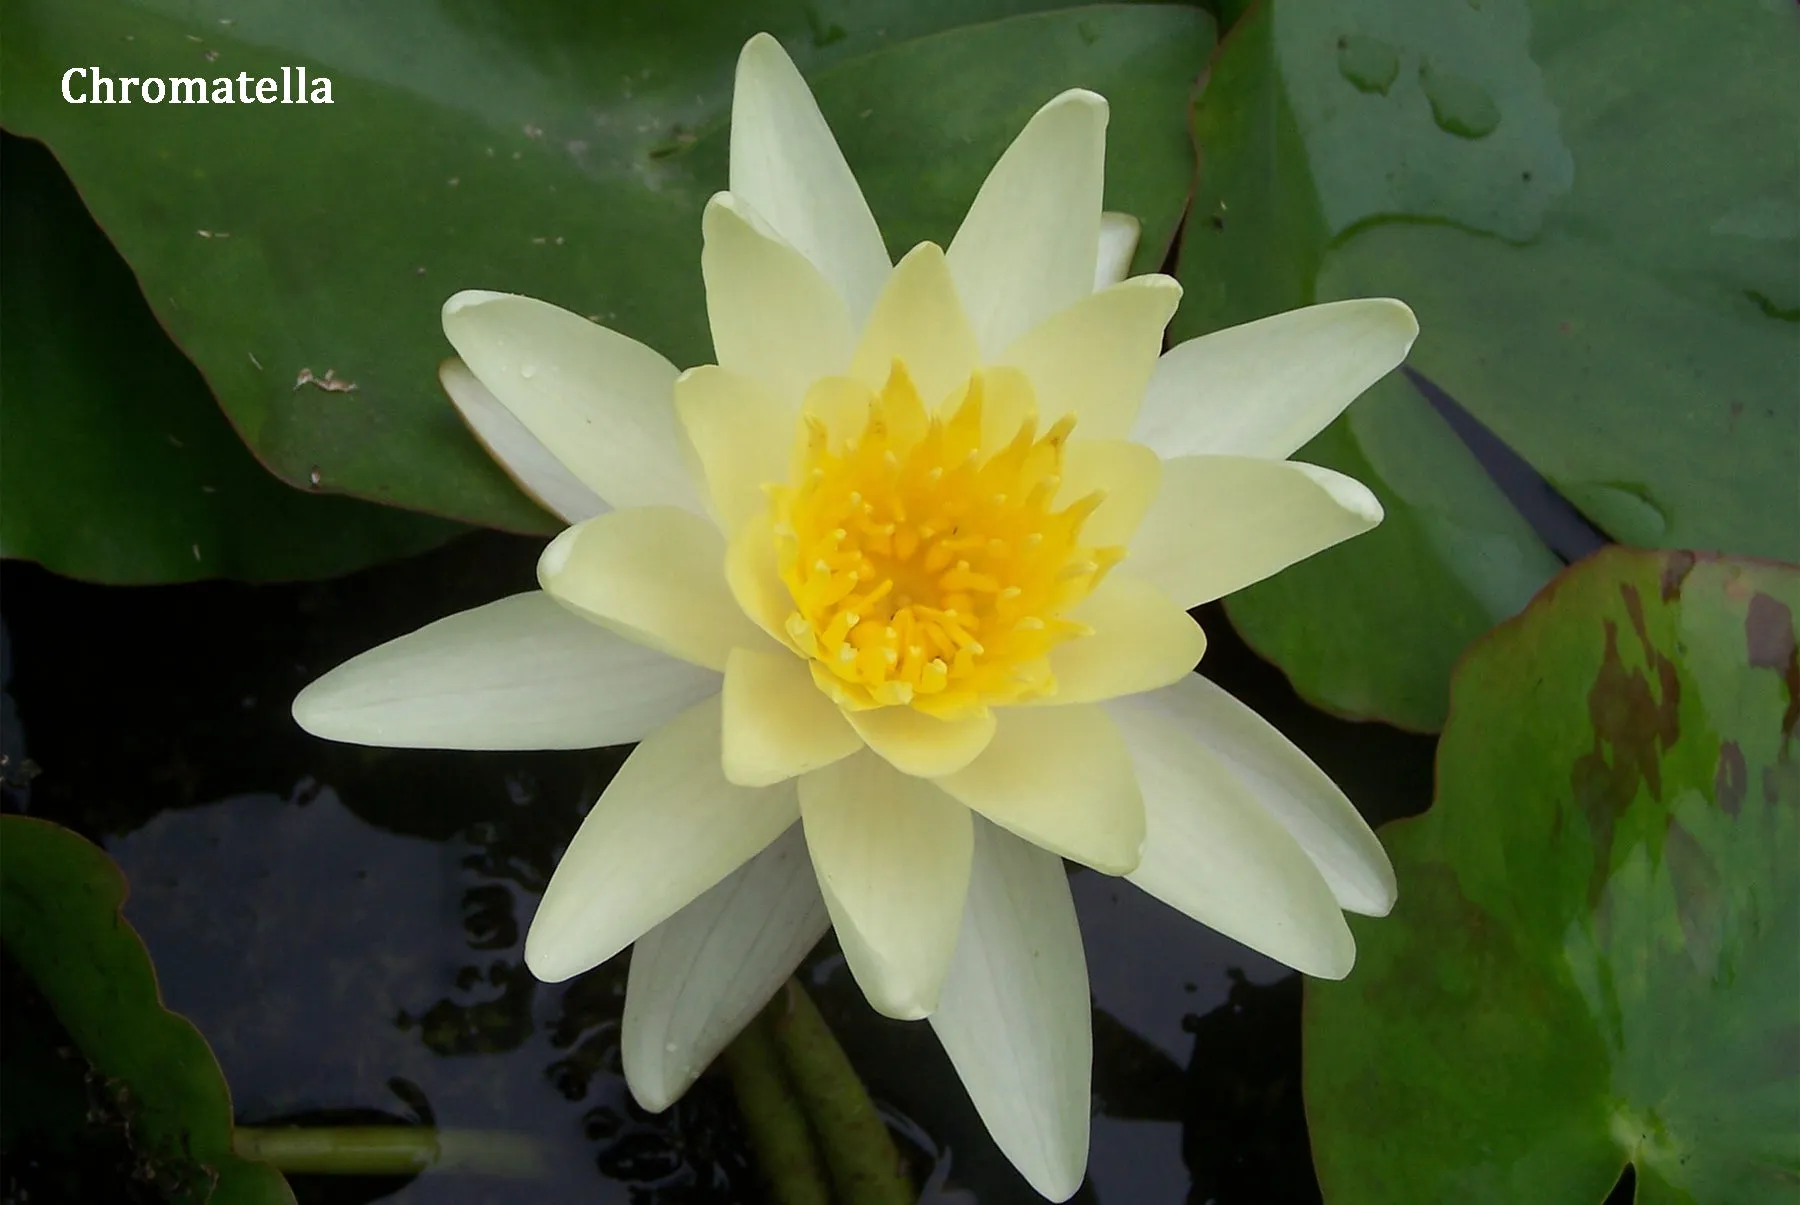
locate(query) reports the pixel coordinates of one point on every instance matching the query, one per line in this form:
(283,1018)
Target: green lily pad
(1594,956)
(546,151)
(117,465)
(1591,206)
(60,921)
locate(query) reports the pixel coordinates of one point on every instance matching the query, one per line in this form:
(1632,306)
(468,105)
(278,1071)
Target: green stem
(386,1150)
(865,1167)
(778,1130)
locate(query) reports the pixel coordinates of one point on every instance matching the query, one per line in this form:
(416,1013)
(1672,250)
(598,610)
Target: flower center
(924,573)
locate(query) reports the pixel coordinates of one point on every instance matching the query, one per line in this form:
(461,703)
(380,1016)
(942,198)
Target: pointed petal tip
(901,1006)
(555,557)
(1082,98)
(468,299)
(1058,1184)
(761,44)
(311,712)
(1337,964)
(652,1098)
(547,962)
(1401,315)
(1385,895)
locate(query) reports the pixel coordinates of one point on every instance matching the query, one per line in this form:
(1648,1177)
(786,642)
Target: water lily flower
(895,598)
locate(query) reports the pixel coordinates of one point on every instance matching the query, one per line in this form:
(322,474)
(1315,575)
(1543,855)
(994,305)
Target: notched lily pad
(1590,206)
(60,922)
(117,465)
(552,150)
(1594,955)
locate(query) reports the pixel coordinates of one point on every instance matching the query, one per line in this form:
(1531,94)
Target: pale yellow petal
(1060,777)
(1266,387)
(777,723)
(1014,1015)
(1127,473)
(1119,234)
(1094,358)
(919,320)
(786,164)
(666,829)
(1284,781)
(1141,641)
(653,575)
(531,465)
(1220,523)
(892,855)
(742,435)
(842,404)
(1007,400)
(1031,239)
(520,673)
(600,402)
(699,977)
(1212,851)
(773,317)
(755,583)
(916,743)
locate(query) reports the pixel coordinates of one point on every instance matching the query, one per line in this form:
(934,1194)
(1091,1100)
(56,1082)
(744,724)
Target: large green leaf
(1597,944)
(116,464)
(1591,204)
(59,919)
(556,150)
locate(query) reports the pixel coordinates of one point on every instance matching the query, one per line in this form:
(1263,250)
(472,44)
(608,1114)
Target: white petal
(1119,234)
(892,855)
(655,575)
(699,977)
(667,828)
(521,673)
(1014,1015)
(1030,242)
(1220,523)
(773,317)
(777,723)
(1059,777)
(1094,358)
(786,164)
(524,457)
(1266,387)
(602,403)
(1213,852)
(1286,782)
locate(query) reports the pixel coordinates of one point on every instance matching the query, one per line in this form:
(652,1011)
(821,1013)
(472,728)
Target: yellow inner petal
(924,572)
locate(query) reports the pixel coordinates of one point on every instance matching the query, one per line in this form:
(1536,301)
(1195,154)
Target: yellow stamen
(924,573)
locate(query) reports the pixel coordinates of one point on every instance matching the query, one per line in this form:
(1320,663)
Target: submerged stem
(387,1150)
(865,1166)
(778,1130)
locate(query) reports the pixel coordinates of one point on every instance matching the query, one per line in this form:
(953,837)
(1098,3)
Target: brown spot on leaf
(1769,643)
(1732,779)
(1676,567)
(1635,721)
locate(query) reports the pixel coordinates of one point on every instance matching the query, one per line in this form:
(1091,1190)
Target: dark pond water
(346,925)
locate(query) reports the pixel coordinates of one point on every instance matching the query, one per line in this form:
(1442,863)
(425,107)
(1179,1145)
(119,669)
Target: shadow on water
(346,925)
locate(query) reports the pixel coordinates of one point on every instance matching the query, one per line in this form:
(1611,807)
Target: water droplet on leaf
(1369,63)
(1622,509)
(1459,105)
(528,371)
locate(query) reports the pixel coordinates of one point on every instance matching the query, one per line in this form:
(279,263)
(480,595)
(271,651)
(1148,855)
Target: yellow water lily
(895,597)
